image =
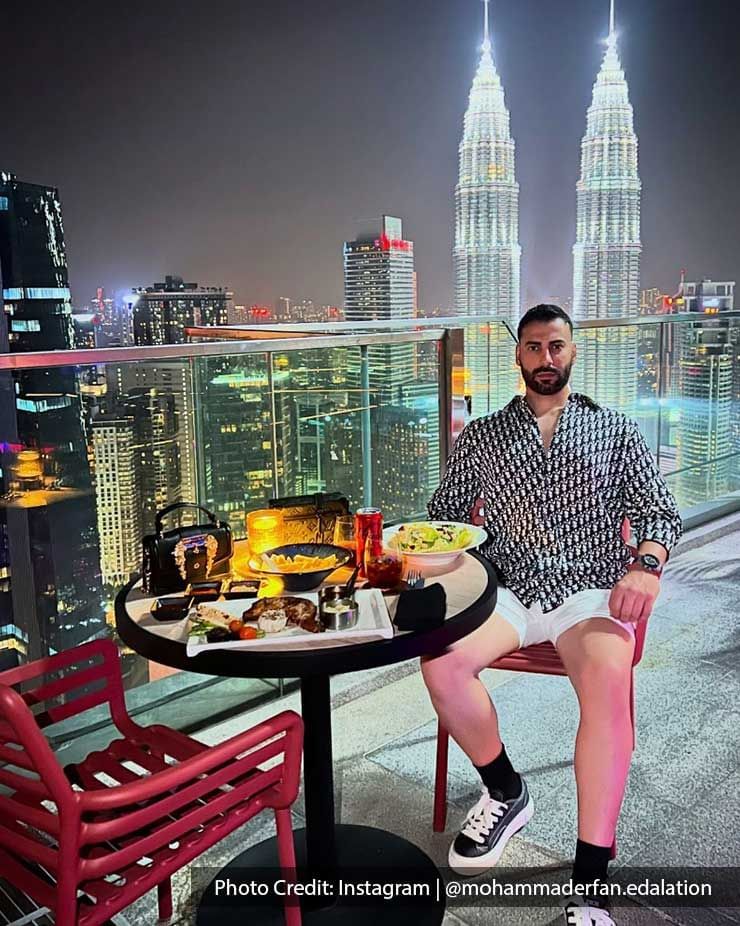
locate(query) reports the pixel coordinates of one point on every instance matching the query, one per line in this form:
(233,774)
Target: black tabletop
(299,663)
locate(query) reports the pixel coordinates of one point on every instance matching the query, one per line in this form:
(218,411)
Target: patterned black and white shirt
(554,517)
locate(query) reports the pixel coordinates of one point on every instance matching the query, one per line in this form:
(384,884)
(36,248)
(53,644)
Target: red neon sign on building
(396,244)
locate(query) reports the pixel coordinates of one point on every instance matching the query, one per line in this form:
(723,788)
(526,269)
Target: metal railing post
(451,376)
(660,387)
(271,387)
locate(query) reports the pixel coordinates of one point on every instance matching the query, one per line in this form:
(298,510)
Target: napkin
(421,608)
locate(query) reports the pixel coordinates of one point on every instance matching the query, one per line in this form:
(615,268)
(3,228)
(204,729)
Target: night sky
(240,143)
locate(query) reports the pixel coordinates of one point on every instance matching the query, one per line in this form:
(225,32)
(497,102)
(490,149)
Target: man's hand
(633,597)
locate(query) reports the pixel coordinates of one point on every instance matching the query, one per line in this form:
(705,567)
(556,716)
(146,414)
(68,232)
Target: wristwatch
(647,562)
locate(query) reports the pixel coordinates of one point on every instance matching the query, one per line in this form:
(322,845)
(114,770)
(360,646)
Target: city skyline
(132,214)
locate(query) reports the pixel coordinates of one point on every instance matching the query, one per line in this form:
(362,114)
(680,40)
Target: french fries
(298,563)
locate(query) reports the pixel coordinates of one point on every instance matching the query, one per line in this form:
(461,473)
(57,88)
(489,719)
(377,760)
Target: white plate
(373,621)
(432,563)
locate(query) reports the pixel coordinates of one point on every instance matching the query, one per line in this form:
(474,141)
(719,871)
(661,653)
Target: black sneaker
(587,911)
(487,829)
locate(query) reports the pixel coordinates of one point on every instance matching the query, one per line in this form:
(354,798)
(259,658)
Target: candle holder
(264,529)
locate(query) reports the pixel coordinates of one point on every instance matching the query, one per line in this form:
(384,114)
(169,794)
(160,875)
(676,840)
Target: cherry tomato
(236,625)
(248,633)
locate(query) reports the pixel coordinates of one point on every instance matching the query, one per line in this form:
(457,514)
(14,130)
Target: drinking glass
(383,566)
(344,532)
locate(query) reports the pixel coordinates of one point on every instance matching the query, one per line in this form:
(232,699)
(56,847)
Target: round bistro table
(323,845)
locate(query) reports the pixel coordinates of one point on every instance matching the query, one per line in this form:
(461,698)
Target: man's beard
(547,387)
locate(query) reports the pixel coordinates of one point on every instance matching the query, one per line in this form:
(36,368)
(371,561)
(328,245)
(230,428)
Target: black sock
(499,775)
(591,862)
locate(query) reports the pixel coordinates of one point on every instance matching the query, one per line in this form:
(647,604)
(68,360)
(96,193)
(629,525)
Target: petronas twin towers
(487,253)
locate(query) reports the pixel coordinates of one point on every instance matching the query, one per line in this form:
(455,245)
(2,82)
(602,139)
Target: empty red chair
(87,840)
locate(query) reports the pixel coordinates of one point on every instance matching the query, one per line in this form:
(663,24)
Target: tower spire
(486,38)
(611,19)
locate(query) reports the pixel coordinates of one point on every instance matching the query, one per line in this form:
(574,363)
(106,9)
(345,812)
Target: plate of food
(301,566)
(433,546)
(280,621)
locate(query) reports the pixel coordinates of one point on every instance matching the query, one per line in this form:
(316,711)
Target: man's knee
(467,658)
(603,682)
(448,670)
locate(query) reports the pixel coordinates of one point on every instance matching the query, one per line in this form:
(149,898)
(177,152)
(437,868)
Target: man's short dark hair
(542,313)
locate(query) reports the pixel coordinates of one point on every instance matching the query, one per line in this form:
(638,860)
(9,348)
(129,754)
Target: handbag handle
(177,505)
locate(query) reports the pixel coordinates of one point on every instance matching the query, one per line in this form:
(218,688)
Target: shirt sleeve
(460,487)
(648,502)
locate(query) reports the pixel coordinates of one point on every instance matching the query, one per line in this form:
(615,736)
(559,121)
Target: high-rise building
(704,392)
(168,380)
(487,253)
(87,333)
(651,301)
(118,496)
(379,286)
(163,311)
(137,474)
(606,255)
(379,274)
(113,320)
(709,297)
(50,592)
(705,436)
(234,435)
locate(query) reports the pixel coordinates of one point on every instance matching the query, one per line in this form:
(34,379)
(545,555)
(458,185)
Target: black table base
(360,850)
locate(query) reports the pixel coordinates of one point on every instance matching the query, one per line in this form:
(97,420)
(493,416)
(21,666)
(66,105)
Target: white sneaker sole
(470,867)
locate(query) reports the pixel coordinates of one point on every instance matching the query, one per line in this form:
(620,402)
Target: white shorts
(535,626)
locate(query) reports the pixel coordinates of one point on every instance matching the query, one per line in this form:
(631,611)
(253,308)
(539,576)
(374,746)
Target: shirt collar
(518,404)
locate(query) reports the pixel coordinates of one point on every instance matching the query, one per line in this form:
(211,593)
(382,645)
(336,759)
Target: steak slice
(299,611)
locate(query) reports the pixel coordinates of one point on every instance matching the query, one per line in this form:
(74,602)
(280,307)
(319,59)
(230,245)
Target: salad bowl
(433,546)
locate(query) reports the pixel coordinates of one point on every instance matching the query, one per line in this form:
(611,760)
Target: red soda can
(368,527)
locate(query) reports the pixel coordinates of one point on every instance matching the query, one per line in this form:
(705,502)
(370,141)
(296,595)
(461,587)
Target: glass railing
(679,378)
(95,442)
(92,450)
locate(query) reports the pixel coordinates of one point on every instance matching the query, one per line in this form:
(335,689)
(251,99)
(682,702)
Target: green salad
(421,537)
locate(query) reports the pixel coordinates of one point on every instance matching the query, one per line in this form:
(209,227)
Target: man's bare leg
(460,698)
(597,655)
(465,709)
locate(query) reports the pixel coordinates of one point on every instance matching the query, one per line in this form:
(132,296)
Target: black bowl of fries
(301,566)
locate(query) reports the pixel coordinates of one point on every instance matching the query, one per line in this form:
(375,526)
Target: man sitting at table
(557,475)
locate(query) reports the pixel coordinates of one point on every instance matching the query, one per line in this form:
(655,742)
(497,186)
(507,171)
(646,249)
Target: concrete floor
(681,807)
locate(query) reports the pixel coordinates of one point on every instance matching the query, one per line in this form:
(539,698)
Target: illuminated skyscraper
(165,378)
(606,255)
(50,591)
(487,253)
(705,435)
(118,496)
(234,435)
(379,286)
(705,391)
(164,310)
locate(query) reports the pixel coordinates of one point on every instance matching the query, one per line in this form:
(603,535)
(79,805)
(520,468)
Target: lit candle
(264,529)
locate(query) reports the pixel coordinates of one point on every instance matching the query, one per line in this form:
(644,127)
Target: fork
(414,579)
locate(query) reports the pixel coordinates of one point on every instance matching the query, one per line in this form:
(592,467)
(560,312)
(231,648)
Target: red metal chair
(540,659)
(87,840)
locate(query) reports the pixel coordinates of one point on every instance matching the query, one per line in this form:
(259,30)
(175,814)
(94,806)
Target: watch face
(649,561)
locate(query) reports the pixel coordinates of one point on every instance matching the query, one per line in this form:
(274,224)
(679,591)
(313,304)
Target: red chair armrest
(160,784)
